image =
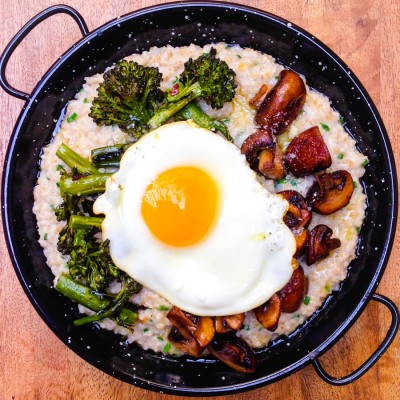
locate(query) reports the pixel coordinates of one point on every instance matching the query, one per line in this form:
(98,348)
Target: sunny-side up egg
(187,218)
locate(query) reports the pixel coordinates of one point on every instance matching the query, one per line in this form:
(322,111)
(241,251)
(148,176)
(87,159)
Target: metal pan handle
(23,32)
(390,335)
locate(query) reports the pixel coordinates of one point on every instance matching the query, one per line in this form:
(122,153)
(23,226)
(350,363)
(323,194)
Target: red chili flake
(175,89)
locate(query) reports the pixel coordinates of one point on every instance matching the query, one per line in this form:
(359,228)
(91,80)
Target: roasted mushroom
(228,323)
(292,294)
(234,352)
(331,192)
(263,154)
(283,103)
(270,163)
(301,237)
(299,212)
(258,97)
(307,153)
(201,328)
(185,342)
(268,314)
(320,243)
(254,144)
(297,218)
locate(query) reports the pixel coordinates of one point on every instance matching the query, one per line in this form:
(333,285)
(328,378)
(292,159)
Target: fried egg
(187,218)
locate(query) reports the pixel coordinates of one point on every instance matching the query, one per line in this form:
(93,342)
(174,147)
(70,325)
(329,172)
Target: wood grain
(34,364)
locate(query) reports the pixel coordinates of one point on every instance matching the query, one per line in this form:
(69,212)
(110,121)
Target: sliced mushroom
(228,323)
(292,294)
(283,103)
(299,212)
(331,192)
(185,342)
(307,153)
(268,313)
(234,352)
(301,237)
(254,144)
(270,163)
(201,328)
(258,97)
(320,243)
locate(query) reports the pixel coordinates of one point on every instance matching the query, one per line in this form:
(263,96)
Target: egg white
(245,258)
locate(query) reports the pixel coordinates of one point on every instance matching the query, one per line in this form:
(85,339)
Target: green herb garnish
(167,347)
(45,236)
(85,100)
(163,308)
(327,287)
(364,163)
(341,120)
(355,184)
(325,127)
(340,156)
(306,300)
(72,117)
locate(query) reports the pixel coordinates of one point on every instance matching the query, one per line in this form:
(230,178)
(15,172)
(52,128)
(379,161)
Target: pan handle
(390,335)
(23,32)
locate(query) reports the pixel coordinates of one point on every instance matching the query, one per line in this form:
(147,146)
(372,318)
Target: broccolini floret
(128,97)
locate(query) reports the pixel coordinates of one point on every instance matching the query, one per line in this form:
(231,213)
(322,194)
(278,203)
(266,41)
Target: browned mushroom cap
(234,352)
(254,144)
(331,192)
(283,103)
(268,313)
(299,212)
(201,328)
(320,243)
(301,237)
(228,323)
(258,97)
(185,342)
(292,294)
(307,153)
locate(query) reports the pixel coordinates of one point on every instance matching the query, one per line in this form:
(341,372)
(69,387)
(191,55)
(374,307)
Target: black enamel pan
(182,24)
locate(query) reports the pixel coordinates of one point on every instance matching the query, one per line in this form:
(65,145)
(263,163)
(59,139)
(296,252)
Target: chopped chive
(238,56)
(327,288)
(85,100)
(306,300)
(355,184)
(340,156)
(45,236)
(167,347)
(58,184)
(364,163)
(145,329)
(72,117)
(160,338)
(163,308)
(276,77)
(358,230)
(302,111)
(280,181)
(325,127)
(226,120)
(341,120)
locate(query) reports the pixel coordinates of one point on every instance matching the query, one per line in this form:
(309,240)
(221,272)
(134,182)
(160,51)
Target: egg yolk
(181,205)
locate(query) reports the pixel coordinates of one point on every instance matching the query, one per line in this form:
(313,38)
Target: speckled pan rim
(392,185)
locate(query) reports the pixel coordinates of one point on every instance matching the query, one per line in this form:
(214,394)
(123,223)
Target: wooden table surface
(34,364)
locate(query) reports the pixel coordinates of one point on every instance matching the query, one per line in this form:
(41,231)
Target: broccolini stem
(91,299)
(194,112)
(166,112)
(109,155)
(129,288)
(86,185)
(84,222)
(75,161)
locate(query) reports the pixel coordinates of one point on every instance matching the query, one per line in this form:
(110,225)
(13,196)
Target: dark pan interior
(181,25)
